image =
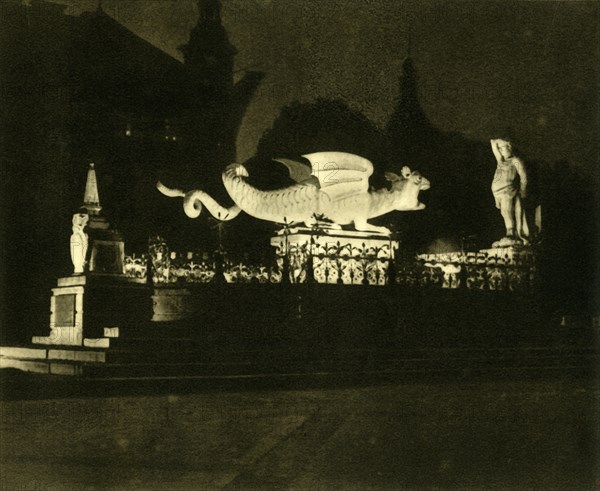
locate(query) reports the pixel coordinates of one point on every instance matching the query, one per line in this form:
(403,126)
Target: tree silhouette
(322,125)
(460,169)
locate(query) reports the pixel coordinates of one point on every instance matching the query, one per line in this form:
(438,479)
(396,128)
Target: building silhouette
(80,89)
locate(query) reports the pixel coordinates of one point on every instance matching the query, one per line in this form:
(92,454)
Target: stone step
(136,355)
(111,332)
(67,369)
(153,331)
(241,369)
(141,350)
(79,355)
(23,353)
(150,361)
(25,365)
(152,344)
(145,370)
(52,353)
(47,367)
(101,343)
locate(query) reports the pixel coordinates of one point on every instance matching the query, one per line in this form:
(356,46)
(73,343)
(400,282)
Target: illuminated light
(127,132)
(174,138)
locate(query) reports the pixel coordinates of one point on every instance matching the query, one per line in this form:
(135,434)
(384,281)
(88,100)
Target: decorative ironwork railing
(323,261)
(495,269)
(136,267)
(171,267)
(335,263)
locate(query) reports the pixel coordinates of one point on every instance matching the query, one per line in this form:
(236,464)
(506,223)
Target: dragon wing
(299,172)
(340,174)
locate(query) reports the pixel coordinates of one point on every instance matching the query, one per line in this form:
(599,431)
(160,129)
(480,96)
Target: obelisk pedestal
(87,301)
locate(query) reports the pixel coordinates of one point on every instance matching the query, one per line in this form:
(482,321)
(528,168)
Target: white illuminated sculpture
(79,242)
(334,188)
(509,188)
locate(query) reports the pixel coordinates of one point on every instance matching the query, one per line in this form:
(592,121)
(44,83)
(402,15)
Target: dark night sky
(483,66)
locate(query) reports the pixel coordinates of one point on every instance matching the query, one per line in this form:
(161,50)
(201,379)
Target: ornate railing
(323,261)
(496,269)
(335,263)
(136,267)
(172,267)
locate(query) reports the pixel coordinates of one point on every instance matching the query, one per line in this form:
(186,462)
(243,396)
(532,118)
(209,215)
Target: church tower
(208,56)
(215,105)
(408,124)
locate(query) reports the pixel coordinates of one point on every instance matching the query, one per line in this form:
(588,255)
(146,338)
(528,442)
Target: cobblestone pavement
(441,434)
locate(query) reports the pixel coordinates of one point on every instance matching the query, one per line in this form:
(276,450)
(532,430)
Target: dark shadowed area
(448,434)
(198,359)
(484,66)
(423,84)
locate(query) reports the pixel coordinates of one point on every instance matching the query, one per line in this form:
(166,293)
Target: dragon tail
(193,201)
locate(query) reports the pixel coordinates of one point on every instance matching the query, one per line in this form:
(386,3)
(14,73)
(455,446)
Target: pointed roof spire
(209,10)
(91,199)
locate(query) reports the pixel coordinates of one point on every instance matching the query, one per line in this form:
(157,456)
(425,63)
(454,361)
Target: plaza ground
(448,432)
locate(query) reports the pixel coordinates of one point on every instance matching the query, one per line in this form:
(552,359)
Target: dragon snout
(425,184)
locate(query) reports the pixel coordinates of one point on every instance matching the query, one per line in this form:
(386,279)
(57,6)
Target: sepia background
(175,90)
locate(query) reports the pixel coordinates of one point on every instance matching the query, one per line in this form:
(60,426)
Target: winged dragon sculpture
(335,188)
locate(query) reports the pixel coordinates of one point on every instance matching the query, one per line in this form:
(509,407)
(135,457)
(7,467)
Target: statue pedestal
(496,268)
(83,306)
(107,255)
(334,256)
(509,255)
(98,297)
(91,293)
(512,254)
(66,313)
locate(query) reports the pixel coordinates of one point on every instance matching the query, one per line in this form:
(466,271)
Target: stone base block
(22,353)
(63,336)
(66,369)
(77,355)
(99,343)
(111,332)
(25,365)
(172,304)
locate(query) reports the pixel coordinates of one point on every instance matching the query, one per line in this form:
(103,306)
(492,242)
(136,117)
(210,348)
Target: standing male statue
(510,188)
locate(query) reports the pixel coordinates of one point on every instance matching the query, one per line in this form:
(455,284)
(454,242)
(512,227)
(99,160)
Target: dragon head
(406,189)
(413,178)
(419,181)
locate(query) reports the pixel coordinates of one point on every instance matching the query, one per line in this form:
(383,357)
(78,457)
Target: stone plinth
(496,268)
(97,295)
(173,304)
(108,253)
(493,254)
(335,256)
(82,306)
(66,313)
